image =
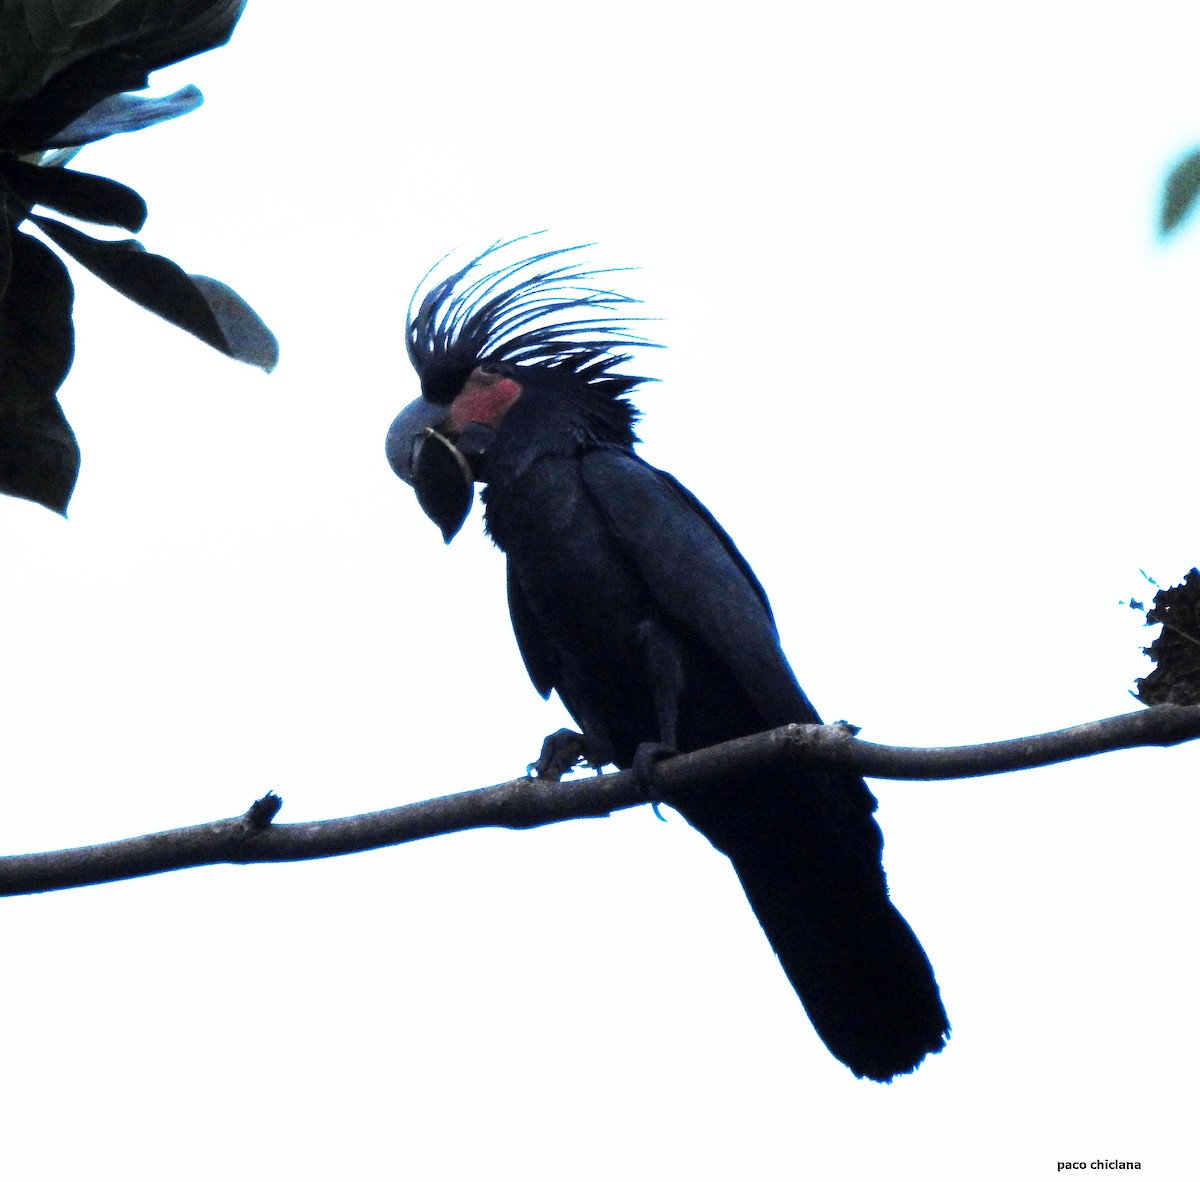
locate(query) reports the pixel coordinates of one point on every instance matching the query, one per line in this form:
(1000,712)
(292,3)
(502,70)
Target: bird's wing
(696,575)
(539,660)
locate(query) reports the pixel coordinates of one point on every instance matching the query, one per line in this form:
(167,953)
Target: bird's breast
(585,604)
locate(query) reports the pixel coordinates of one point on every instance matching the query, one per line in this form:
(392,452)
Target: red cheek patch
(485,403)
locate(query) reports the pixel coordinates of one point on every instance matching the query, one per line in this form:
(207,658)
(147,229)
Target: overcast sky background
(929,365)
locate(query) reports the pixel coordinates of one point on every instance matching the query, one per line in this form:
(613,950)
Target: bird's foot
(561,751)
(644,760)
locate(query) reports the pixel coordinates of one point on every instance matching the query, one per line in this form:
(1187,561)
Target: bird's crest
(537,312)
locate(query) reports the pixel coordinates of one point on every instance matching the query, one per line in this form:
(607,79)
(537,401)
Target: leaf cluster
(65,66)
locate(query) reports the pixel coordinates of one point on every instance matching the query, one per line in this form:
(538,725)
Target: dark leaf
(39,458)
(1179,195)
(59,58)
(6,233)
(202,306)
(125,112)
(37,341)
(1176,676)
(79,195)
(250,340)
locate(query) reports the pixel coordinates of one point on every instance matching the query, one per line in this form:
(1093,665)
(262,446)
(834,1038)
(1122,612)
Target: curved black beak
(405,428)
(442,467)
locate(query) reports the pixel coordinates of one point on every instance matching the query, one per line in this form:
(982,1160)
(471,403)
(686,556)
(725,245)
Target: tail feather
(809,854)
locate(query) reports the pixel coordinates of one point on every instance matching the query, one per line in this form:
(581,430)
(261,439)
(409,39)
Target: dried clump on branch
(1175,678)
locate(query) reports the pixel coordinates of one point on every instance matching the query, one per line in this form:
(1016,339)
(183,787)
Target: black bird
(630,600)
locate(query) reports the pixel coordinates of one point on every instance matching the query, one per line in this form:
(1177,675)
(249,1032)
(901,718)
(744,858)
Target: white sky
(930,367)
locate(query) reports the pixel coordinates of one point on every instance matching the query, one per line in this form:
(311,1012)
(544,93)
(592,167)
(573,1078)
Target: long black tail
(808,854)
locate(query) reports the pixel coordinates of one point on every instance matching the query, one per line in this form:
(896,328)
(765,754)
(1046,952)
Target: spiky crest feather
(481,316)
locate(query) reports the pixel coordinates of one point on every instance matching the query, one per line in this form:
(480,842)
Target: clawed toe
(561,751)
(644,760)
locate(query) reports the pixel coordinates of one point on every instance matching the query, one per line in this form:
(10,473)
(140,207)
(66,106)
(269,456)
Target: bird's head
(489,335)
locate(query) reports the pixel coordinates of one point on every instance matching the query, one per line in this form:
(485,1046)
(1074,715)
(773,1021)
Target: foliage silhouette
(64,69)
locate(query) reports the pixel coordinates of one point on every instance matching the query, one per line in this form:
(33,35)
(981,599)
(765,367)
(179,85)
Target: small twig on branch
(527,804)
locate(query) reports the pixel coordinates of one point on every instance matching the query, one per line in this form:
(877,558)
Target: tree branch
(526,803)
